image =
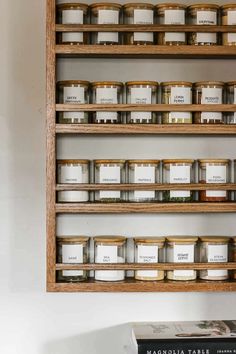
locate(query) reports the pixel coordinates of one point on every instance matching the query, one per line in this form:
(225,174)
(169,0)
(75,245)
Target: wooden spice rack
(55,51)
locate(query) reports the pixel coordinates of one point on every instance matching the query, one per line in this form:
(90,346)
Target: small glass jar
(143,171)
(233,254)
(178,171)
(171,14)
(203,14)
(72,14)
(73,172)
(109,172)
(107,92)
(73,92)
(141,92)
(228,18)
(176,92)
(149,250)
(110,249)
(214,249)
(105,14)
(231,99)
(208,92)
(72,249)
(214,171)
(181,249)
(139,14)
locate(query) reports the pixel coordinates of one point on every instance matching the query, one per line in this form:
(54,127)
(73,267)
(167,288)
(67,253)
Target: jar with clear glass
(141,92)
(178,171)
(181,249)
(214,171)
(73,14)
(72,249)
(214,249)
(109,249)
(73,92)
(143,172)
(171,14)
(107,92)
(139,14)
(105,14)
(231,99)
(176,92)
(208,92)
(228,18)
(233,254)
(109,172)
(149,250)
(203,14)
(73,172)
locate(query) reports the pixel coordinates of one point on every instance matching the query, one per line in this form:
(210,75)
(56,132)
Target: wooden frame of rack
(55,51)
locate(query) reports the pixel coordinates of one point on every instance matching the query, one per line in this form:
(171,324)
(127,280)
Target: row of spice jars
(146,92)
(174,171)
(147,250)
(144,14)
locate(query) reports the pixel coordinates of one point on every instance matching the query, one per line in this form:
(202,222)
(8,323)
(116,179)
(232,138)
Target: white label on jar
(217,253)
(179,115)
(174,17)
(70,174)
(69,37)
(141,116)
(109,174)
(232,17)
(141,95)
(206,37)
(72,254)
(206,18)
(73,17)
(175,37)
(74,95)
(211,95)
(208,116)
(180,95)
(143,17)
(144,174)
(179,174)
(231,37)
(108,254)
(147,254)
(216,174)
(105,95)
(183,254)
(74,115)
(73,196)
(108,17)
(106,116)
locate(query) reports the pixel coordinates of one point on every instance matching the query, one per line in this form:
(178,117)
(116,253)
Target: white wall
(31,320)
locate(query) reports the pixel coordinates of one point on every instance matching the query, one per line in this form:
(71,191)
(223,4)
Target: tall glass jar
(141,92)
(178,171)
(146,172)
(109,172)
(107,92)
(208,92)
(149,250)
(105,14)
(176,92)
(214,171)
(171,14)
(73,92)
(181,249)
(73,14)
(203,14)
(72,249)
(139,14)
(231,99)
(228,18)
(110,249)
(73,172)
(214,249)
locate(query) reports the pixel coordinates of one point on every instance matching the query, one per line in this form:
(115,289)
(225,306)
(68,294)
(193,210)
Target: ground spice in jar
(228,18)
(231,99)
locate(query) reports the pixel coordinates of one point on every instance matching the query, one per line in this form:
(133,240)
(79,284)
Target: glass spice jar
(149,250)
(72,249)
(233,254)
(105,14)
(110,249)
(203,14)
(208,92)
(176,92)
(73,14)
(178,171)
(181,249)
(141,92)
(109,172)
(139,14)
(214,171)
(228,18)
(143,171)
(107,92)
(71,172)
(214,249)
(171,14)
(73,92)
(231,99)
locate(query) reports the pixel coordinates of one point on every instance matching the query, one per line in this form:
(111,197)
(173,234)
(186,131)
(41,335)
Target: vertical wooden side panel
(51,143)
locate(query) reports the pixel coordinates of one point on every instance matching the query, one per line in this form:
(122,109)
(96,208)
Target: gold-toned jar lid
(143,161)
(203,6)
(175,83)
(72,239)
(106,83)
(228,6)
(209,83)
(72,161)
(219,239)
(182,239)
(170,161)
(230,83)
(106,4)
(149,239)
(171,6)
(110,239)
(72,5)
(138,5)
(73,82)
(203,161)
(108,161)
(151,83)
